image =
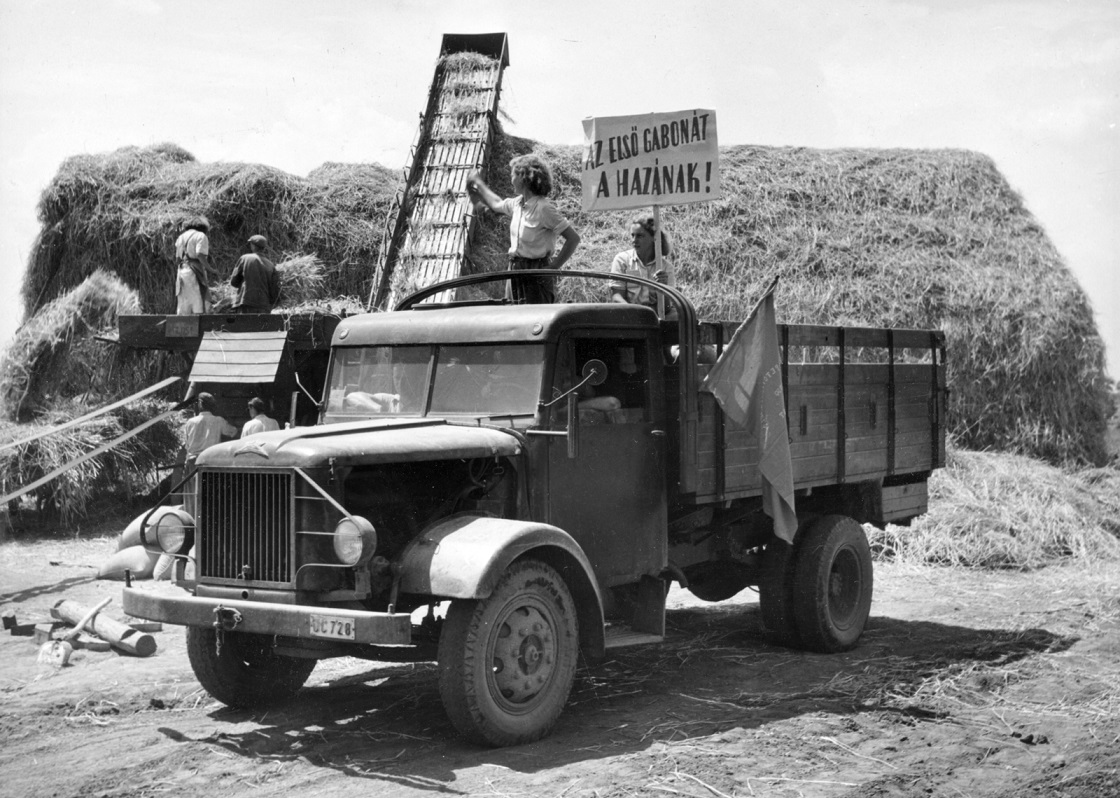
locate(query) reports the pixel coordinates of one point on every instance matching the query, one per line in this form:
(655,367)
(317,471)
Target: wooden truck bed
(849,420)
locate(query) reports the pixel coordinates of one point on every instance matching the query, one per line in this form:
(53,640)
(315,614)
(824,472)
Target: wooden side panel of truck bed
(848,422)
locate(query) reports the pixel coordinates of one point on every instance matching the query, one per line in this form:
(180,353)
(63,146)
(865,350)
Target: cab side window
(623,398)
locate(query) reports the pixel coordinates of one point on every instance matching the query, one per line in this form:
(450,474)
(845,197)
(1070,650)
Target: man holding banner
(641,261)
(632,162)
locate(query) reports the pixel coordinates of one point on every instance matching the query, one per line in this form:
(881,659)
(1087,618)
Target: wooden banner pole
(658,260)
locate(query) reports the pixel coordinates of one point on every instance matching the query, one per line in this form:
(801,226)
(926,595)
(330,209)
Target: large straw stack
(865,237)
(901,238)
(123,211)
(106,247)
(56,369)
(123,473)
(991,510)
(56,355)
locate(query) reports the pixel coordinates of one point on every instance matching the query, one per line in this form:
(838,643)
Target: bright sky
(1035,84)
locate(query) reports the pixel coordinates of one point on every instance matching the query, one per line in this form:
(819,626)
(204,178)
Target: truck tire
(833,584)
(775,593)
(507,661)
(244,673)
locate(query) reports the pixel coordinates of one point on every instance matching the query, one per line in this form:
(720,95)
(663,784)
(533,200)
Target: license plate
(333,627)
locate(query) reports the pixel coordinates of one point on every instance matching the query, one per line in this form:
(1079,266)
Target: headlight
(354,540)
(174,531)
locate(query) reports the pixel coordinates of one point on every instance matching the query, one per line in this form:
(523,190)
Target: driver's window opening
(621,398)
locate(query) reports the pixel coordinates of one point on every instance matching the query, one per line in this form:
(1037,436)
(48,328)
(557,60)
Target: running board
(620,635)
(646,620)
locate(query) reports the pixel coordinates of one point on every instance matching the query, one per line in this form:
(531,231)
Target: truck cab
(513,368)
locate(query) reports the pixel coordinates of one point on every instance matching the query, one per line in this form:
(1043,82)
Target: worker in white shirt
(205,429)
(258,421)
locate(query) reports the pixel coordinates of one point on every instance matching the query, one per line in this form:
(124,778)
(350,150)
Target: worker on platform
(256,280)
(258,420)
(192,254)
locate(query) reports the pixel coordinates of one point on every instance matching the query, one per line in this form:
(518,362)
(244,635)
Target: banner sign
(652,159)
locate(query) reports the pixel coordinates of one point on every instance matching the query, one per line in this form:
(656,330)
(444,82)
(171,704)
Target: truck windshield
(478,380)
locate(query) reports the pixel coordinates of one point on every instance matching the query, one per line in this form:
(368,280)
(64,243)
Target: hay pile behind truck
(894,238)
(907,238)
(109,224)
(55,366)
(862,237)
(123,210)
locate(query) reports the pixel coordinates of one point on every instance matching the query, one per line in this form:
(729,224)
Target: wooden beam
(81,419)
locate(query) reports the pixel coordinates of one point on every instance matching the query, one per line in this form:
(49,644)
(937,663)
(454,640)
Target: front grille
(245,525)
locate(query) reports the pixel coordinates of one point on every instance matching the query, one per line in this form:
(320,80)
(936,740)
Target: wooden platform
(306,331)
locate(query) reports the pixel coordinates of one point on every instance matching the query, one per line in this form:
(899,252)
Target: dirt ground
(966,684)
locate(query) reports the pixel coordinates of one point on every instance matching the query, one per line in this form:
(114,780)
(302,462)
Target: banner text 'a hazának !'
(653,159)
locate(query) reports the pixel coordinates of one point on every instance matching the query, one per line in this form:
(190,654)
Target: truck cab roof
(482,323)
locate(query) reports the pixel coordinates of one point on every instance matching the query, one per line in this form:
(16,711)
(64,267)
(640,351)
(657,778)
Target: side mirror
(594,372)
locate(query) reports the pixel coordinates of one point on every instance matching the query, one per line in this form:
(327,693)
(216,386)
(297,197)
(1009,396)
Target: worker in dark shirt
(256,280)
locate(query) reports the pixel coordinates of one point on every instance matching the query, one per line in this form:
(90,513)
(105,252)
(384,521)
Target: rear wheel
(833,584)
(243,671)
(507,661)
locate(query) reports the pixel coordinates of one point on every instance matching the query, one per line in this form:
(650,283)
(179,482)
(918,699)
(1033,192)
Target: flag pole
(769,289)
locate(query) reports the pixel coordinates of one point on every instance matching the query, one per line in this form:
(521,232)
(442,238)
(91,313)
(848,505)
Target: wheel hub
(844,587)
(524,656)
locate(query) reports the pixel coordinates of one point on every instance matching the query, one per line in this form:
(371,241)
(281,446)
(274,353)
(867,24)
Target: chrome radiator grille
(245,526)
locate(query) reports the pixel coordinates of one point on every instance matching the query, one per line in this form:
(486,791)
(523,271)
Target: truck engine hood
(362,443)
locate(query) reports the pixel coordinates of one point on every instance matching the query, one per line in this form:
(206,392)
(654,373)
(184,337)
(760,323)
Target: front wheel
(832,584)
(507,661)
(241,670)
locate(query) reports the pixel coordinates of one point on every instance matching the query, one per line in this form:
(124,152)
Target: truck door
(611,498)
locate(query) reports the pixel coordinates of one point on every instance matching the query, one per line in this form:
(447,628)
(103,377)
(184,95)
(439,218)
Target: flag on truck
(746,380)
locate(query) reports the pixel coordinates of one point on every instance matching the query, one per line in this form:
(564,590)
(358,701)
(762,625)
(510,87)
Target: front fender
(464,556)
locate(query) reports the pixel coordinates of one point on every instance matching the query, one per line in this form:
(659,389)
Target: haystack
(900,238)
(55,370)
(903,238)
(127,471)
(990,510)
(56,355)
(123,210)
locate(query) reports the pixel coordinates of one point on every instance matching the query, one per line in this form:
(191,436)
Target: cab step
(620,635)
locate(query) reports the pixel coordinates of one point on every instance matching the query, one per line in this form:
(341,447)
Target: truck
(510,491)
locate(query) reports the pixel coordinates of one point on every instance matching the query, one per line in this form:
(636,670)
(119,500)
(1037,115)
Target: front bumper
(287,620)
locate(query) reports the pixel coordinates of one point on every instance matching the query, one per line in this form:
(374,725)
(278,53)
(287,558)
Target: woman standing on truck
(534,227)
